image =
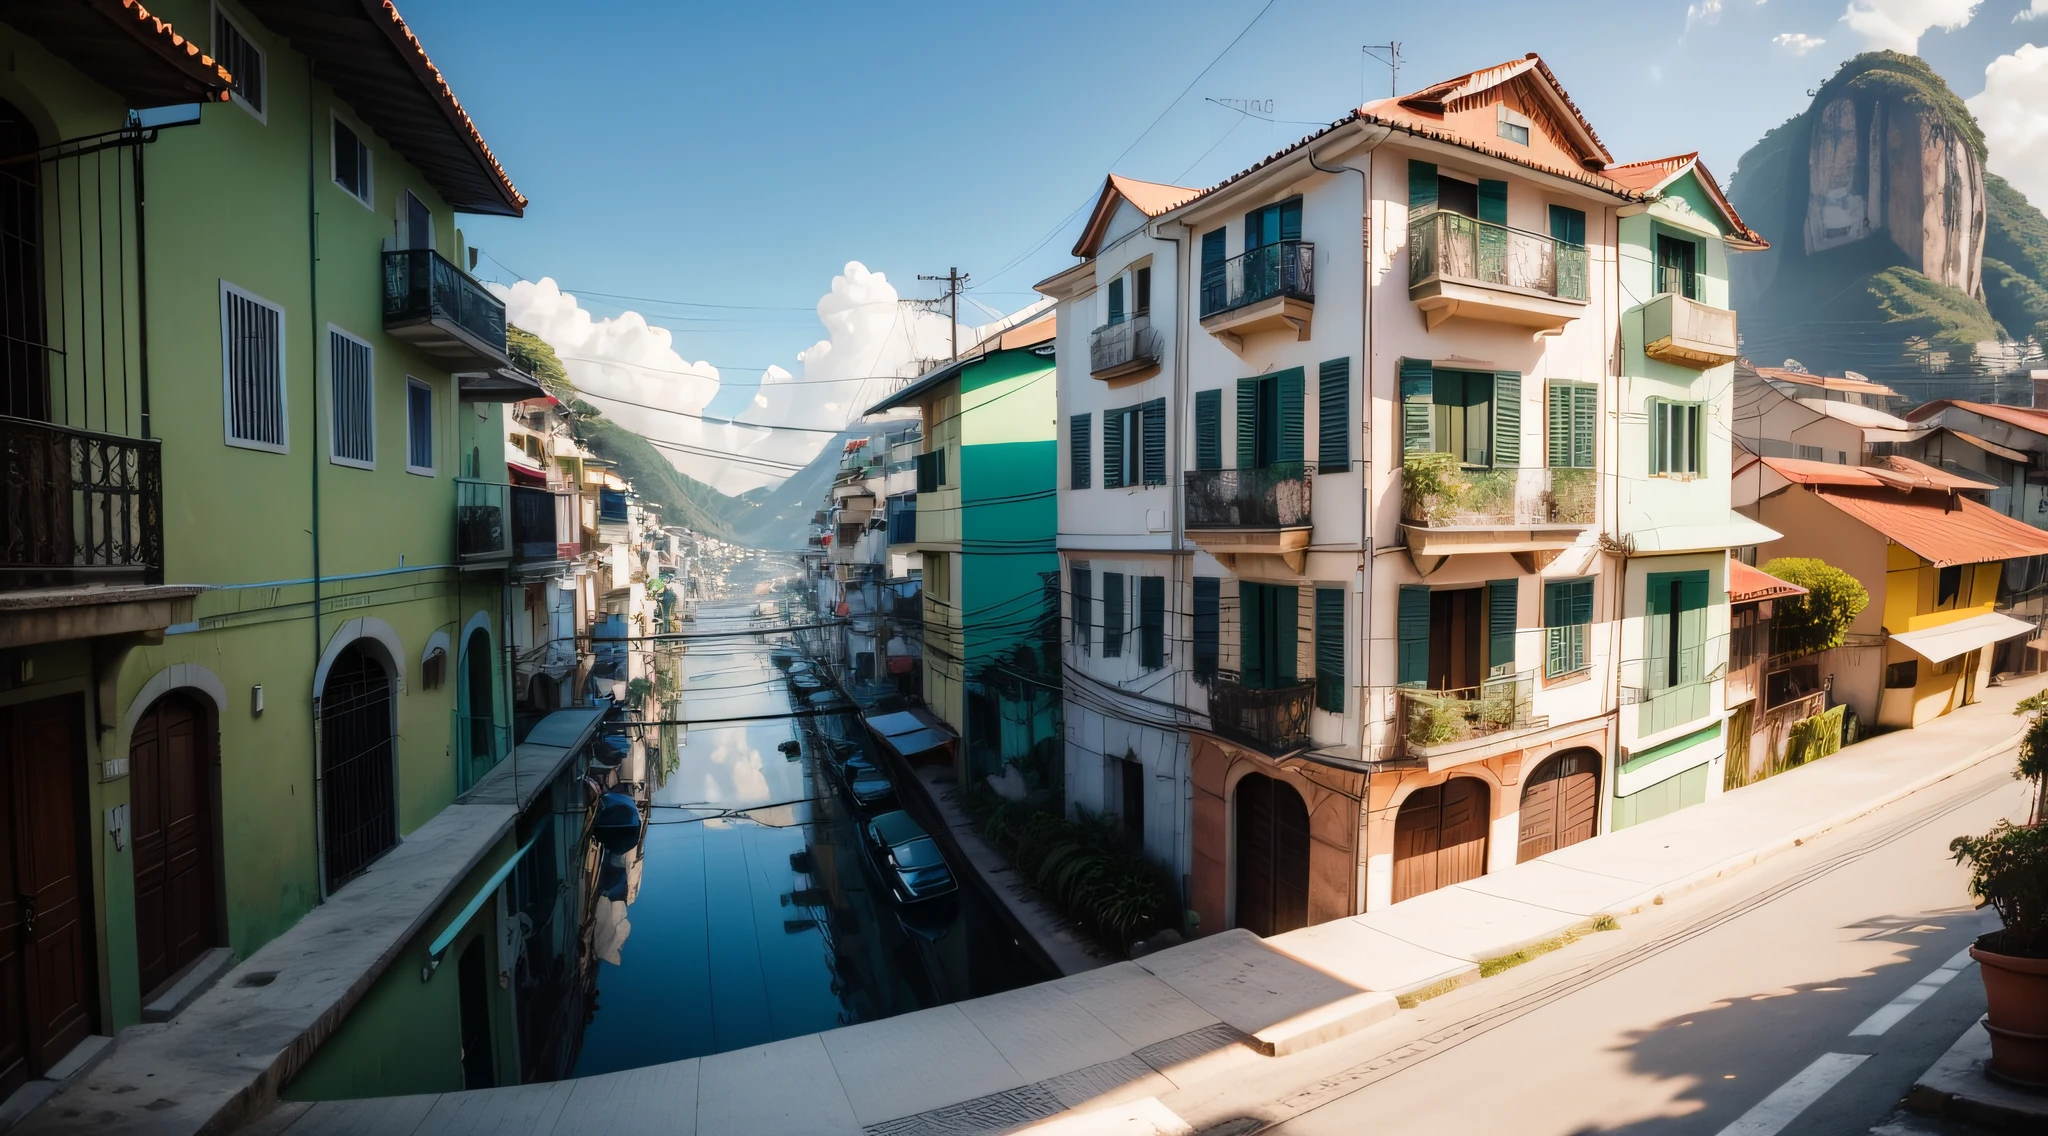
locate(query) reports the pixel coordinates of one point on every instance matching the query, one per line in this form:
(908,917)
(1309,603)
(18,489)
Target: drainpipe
(1183,570)
(313,451)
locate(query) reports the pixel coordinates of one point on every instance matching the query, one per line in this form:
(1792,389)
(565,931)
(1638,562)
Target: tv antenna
(954,278)
(1388,53)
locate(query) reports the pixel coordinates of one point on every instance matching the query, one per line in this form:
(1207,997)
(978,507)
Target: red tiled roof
(1746,584)
(1438,97)
(123,46)
(1896,472)
(1148,197)
(1944,528)
(1652,176)
(2024,417)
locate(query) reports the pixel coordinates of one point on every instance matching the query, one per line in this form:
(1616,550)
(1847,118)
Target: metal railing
(1440,494)
(1666,699)
(1285,268)
(1267,497)
(535,521)
(1125,345)
(78,505)
(482,527)
(421,285)
(1275,719)
(1433,718)
(1454,246)
(1564,649)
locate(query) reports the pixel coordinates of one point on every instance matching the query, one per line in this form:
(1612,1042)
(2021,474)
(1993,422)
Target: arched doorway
(358,806)
(1272,856)
(24,354)
(1440,837)
(173,764)
(1560,803)
(477,748)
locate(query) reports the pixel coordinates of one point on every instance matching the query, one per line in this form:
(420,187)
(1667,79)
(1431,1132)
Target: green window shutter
(1112,615)
(1692,628)
(1421,185)
(1082,581)
(1501,618)
(1288,387)
(1209,429)
(1251,635)
(1286,628)
(1507,419)
(1493,201)
(1330,649)
(1152,622)
(1116,300)
(1333,416)
(1557,426)
(1411,627)
(1247,423)
(1567,225)
(1695,439)
(1418,414)
(1080,440)
(1113,449)
(1290,219)
(1207,624)
(1585,419)
(1657,644)
(1153,424)
(1655,409)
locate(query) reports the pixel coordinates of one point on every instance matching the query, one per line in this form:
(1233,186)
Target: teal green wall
(1666,796)
(1009,512)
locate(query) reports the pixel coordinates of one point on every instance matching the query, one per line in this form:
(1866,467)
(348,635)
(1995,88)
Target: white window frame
(336,118)
(241,26)
(227,381)
(327,391)
(412,384)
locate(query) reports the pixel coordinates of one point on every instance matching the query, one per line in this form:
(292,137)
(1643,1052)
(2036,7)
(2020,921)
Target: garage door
(1560,803)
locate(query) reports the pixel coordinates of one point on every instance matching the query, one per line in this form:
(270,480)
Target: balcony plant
(2009,871)
(1435,720)
(1570,500)
(1430,487)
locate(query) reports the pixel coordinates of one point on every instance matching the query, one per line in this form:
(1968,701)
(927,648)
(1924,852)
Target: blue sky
(741,155)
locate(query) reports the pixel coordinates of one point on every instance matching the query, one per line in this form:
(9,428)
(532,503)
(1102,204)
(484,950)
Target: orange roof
(1826,382)
(1439,97)
(1148,197)
(1746,583)
(1944,528)
(2024,417)
(1030,334)
(1652,176)
(1895,472)
(125,47)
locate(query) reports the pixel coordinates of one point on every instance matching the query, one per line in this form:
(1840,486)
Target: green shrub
(1819,619)
(1082,867)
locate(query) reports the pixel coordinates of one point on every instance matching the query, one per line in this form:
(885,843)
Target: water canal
(753,917)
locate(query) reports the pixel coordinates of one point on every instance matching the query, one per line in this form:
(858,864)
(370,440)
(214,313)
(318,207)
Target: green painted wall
(1666,796)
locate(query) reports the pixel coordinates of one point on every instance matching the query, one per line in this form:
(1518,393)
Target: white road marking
(1889,1014)
(1774,1112)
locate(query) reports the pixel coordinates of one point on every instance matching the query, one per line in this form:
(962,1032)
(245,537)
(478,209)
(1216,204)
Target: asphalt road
(1691,1016)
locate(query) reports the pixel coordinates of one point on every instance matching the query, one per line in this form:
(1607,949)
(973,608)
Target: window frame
(1552,627)
(433,467)
(227,379)
(1507,120)
(336,123)
(240,27)
(1660,409)
(370,392)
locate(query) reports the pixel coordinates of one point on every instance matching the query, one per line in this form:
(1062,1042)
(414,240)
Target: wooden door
(1560,804)
(1440,837)
(1454,639)
(1272,856)
(44,932)
(171,769)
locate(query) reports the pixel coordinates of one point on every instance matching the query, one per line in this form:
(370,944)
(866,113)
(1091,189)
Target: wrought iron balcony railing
(483,530)
(78,506)
(1123,347)
(430,302)
(1285,268)
(1274,720)
(1266,497)
(1437,493)
(1452,246)
(537,516)
(1432,718)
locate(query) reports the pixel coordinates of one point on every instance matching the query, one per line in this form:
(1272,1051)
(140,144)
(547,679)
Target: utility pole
(954,278)
(1392,59)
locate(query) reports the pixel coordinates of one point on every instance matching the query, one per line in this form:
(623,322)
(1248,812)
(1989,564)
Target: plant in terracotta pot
(2009,871)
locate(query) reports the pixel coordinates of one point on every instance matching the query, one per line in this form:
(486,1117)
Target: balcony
(1446,727)
(1461,267)
(1235,512)
(902,520)
(78,507)
(481,510)
(436,306)
(1273,721)
(1678,690)
(1448,510)
(540,519)
(1270,288)
(1687,332)
(1122,349)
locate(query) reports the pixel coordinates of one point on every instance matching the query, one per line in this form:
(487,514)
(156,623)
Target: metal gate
(358,806)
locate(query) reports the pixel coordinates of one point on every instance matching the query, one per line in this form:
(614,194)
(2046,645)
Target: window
(1746,633)
(1674,437)
(419,427)
(1154,431)
(1567,225)
(1903,675)
(1676,628)
(931,470)
(1269,420)
(1272,224)
(1572,412)
(419,223)
(1080,440)
(351,162)
(1122,447)
(1512,126)
(243,61)
(1812,453)
(1503,600)
(1948,585)
(1209,429)
(1472,414)
(1567,614)
(1333,416)
(1132,803)
(1329,629)
(1152,622)
(1141,292)
(1678,266)
(1112,615)
(1081,579)
(434,669)
(1268,632)
(351,400)
(1207,624)
(1214,253)
(1116,301)
(252,370)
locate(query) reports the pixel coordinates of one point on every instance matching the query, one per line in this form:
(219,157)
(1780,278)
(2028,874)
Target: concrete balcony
(1442,728)
(1530,512)
(1687,332)
(1236,512)
(1270,288)
(433,304)
(1465,268)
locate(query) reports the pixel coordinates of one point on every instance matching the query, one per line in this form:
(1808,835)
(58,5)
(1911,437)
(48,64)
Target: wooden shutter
(1418,406)
(1330,649)
(1082,581)
(1289,449)
(1290,219)
(1567,225)
(1421,185)
(1153,422)
(1080,440)
(1501,617)
(1557,426)
(1692,627)
(1209,429)
(1152,622)
(1112,614)
(1285,632)
(1412,629)
(1493,201)
(1247,423)
(1507,419)
(1657,644)
(1113,449)
(1252,650)
(1207,624)
(1141,289)
(1539,814)
(1116,300)
(1213,255)
(1585,419)
(1333,416)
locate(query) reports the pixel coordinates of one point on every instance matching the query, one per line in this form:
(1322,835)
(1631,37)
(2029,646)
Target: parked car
(907,860)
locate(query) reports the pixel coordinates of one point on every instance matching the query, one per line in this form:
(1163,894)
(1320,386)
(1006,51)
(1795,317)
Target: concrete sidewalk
(1172,1019)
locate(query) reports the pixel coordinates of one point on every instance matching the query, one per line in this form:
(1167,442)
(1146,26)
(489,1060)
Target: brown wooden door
(44,928)
(1440,837)
(1455,619)
(171,770)
(1272,856)
(1560,804)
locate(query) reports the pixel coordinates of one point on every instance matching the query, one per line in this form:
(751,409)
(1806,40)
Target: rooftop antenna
(1388,53)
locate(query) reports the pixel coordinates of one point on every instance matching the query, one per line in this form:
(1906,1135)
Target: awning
(1940,644)
(1737,531)
(1746,583)
(911,732)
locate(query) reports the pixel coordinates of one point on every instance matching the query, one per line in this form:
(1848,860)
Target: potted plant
(2009,871)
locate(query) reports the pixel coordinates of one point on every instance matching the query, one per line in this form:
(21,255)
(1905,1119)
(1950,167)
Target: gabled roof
(122,46)
(1896,472)
(1465,90)
(1919,507)
(365,51)
(1148,197)
(2026,418)
(1843,383)
(1854,413)
(1032,334)
(1653,176)
(1746,583)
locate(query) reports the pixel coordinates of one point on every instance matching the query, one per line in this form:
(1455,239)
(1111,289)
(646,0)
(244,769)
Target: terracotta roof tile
(1896,472)
(431,75)
(1653,175)
(1826,382)
(1148,197)
(2024,417)
(1942,528)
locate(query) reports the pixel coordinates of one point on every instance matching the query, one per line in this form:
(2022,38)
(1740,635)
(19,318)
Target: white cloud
(1798,43)
(2036,11)
(2015,130)
(1702,12)
(1899,24)
(624,360)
